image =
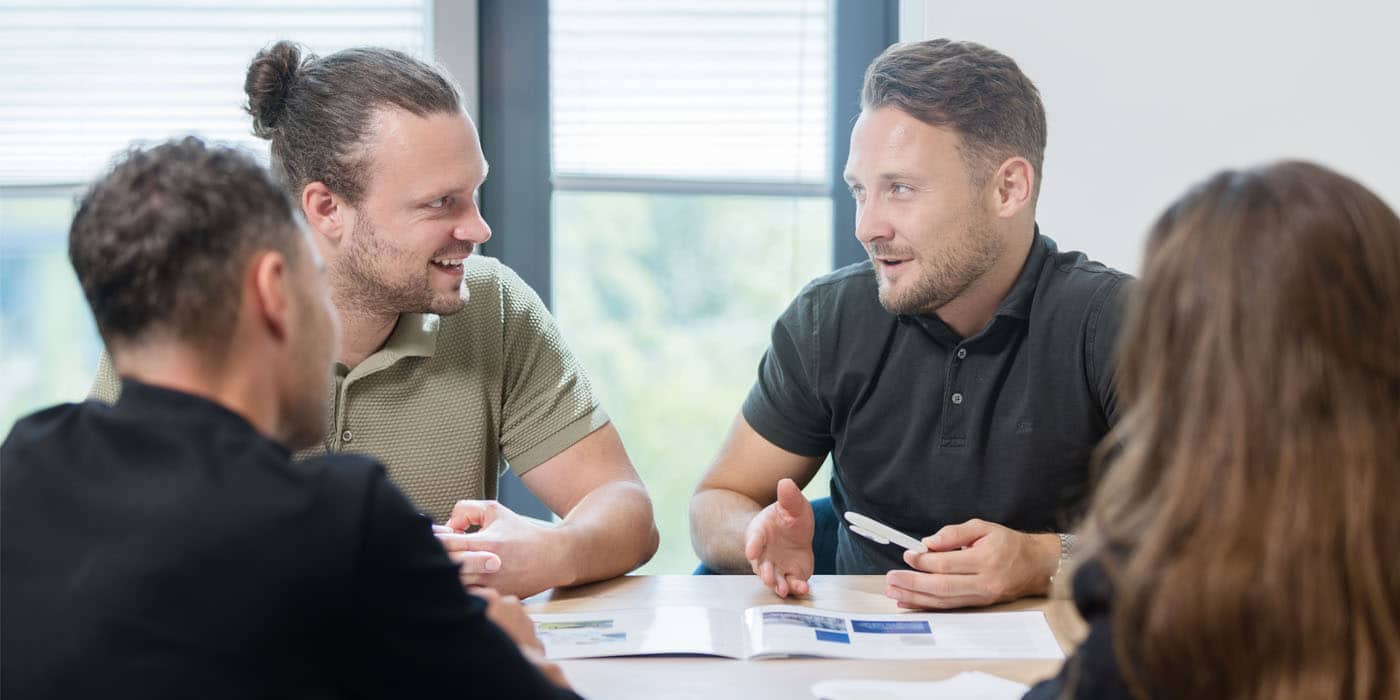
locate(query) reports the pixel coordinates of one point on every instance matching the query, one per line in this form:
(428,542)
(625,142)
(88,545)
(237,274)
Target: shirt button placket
(957,397)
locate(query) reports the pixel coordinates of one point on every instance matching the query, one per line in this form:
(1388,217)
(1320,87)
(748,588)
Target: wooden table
(711,678)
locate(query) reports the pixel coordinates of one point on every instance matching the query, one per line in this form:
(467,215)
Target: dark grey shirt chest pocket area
(926,428)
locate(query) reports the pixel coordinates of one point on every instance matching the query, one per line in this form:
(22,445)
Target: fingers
(757,543)
(485,593)
(927,600)
(508,614)
(798,585)
(941,590)
(782,583)
(791,501)
(952,537)
(469,514)
(443,530)
(957,561)
(765,573)
(931,603)
(475,542)
(471,562)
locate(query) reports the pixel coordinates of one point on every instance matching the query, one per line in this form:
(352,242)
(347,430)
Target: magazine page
(637,632)
(787,630)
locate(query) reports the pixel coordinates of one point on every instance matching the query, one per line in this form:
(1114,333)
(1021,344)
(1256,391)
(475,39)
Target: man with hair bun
(959,379)
(168,546)
(451,367)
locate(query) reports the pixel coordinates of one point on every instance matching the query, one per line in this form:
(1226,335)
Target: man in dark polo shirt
(960,379)
(168,546)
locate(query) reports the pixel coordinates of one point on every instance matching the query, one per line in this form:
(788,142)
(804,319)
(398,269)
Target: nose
(871,223)
(473,228)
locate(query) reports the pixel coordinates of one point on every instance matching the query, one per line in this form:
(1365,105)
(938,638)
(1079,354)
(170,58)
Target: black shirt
(162,548)
(927,429)
(1093,671)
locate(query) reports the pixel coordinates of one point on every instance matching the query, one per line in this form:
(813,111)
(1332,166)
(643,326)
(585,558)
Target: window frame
(514,108)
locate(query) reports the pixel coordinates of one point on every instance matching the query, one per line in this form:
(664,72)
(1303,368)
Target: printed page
(785,630)
(637,632)
(968,685)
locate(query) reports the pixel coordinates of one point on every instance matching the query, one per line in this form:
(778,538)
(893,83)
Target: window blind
(717,90)
(80,81)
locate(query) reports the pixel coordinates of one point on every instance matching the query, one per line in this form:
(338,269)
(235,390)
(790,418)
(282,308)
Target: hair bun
(269,82)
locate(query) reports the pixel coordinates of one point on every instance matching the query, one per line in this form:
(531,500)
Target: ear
(270,287)
(1014,187)
(325,212)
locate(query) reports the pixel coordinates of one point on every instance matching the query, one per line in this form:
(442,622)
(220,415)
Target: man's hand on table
(778,542)
(508,552)
(975,563)
(508,614)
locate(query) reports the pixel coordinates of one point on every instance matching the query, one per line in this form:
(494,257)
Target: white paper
(636,632)
(790,630)
(969,685)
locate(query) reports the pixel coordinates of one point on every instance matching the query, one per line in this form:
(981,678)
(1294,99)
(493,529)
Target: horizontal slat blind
(731,90)
(79,81)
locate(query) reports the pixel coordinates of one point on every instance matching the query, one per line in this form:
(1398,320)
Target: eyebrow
(887,177)
(455,189)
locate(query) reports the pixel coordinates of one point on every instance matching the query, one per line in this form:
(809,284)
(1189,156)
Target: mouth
(449,265)
(891,264)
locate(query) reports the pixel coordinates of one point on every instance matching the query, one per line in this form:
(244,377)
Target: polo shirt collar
(415,335)
(160,405)
(1017,303)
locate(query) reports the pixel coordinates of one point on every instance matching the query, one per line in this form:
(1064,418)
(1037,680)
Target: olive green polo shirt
(451,401)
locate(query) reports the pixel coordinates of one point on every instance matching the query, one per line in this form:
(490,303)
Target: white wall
(1144,99)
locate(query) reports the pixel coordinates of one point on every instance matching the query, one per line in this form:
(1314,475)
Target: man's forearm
(719,519)
(609,533)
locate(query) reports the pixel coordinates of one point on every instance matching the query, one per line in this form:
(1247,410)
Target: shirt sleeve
(106,386)
(549,403)
(784,405)
(1101,347)
(424,636)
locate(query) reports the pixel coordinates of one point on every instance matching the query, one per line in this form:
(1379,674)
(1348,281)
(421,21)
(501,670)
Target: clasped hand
(508,552)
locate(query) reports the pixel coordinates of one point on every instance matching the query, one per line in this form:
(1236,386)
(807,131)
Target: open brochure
(789,630)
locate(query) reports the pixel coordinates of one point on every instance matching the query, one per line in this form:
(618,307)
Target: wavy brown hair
(1248,518)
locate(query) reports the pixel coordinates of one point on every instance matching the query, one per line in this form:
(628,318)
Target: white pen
(877,531)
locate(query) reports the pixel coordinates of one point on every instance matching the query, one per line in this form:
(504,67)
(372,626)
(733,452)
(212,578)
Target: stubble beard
(942,278)
(358,280)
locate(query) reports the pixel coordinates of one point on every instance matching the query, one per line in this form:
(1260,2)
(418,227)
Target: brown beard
(359,281)
(941,280)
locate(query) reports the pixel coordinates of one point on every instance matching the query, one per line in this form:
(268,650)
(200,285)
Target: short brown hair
(979,92)
(159,244)
(317,111)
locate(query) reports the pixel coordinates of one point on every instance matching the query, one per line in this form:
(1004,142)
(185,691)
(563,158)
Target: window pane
(48,343)
(668,300)
(82,79)
(690,90)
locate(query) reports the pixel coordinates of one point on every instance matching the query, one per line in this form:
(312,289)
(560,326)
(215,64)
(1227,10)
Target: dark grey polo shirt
(927,429)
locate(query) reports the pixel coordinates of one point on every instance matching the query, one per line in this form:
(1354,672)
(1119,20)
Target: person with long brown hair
(1244,541)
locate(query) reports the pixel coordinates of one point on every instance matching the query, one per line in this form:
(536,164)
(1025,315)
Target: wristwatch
(1066,549)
